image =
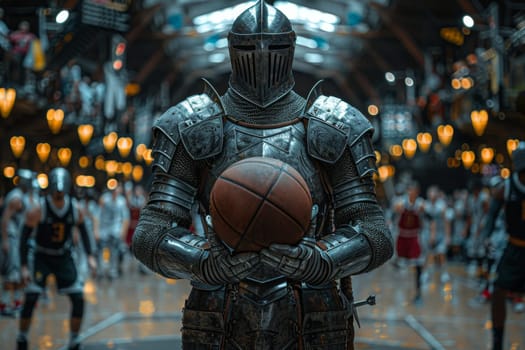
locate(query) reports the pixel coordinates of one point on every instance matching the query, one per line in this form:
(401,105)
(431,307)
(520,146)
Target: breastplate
(285,143)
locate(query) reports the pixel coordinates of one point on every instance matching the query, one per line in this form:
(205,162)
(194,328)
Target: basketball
(259,201)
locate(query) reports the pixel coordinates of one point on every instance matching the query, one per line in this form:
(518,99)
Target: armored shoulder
(196,122)
(334,125)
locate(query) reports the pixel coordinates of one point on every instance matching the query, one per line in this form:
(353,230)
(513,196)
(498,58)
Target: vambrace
(348,251)
(354,191)
(355,204)
(179,254)
(172,195)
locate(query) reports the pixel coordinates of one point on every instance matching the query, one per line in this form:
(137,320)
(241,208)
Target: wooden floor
(140,311)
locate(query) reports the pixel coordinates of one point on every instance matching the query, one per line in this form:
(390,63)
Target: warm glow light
(378,156)
(373,110)
(9,172)
(83,162)
(456,84)
(487,154)
(445,134)
(85,181)
(137,173)
(139,151)
(424,141)
(505,173)
(85,132)
(64,156)
(111,167)
(43,181)
(512,144)
(55,118)
(7,101)
(100,163)
(409,147)
(117,64)
(127,168)
(124,145)
(110,141)
(18,143)
(396,151)
(148,158)
(43,150)
(112,184)
(479,121)
(467,83)
(385,172)
(468,158)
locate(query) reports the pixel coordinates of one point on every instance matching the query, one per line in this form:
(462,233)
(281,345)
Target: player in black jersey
(51,223)
(511,268)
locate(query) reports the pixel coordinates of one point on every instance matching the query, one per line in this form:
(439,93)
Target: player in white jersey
(17,202)
(113,229)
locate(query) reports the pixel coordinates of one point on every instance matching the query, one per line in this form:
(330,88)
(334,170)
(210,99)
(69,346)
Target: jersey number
(59,232)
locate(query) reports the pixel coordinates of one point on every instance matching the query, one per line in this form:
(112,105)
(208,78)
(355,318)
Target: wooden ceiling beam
(400,32)
(144,19)
(150,66)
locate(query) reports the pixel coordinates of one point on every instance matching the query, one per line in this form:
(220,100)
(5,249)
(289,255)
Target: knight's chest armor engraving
(286,143)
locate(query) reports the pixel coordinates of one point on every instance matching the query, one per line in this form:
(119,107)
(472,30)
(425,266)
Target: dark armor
(262,45)
(284,297)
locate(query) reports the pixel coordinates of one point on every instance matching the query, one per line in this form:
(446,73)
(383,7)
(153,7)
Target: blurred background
(441,80)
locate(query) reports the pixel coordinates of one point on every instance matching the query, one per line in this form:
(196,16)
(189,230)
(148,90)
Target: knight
(282,297)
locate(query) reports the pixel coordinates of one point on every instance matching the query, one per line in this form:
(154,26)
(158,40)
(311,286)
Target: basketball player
(511,271)
(410,209)
(283,297)
(52,223)
(17,202)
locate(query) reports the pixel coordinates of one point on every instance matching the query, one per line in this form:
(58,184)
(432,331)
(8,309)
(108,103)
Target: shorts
(511,270)
(408,247)
(64,269)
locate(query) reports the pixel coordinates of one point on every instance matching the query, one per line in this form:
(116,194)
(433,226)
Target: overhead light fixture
(17,143)
(7,101)
(55,118)
(62,16)
(468,21)
(390,77)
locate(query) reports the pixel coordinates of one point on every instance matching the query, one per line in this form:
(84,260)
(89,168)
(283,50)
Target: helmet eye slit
(279,47)
(244,47)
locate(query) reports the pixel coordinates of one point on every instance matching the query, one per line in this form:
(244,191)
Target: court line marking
(423,333)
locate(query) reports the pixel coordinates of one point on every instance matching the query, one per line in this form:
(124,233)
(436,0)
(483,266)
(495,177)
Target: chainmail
(148,233)
(367,215)
(287,108)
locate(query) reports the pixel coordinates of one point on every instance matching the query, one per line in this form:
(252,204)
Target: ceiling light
(62,16)
(390,77)
(468,21)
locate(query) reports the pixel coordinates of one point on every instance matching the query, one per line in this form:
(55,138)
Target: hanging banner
(109,14)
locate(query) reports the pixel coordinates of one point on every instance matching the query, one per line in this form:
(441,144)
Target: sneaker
(21,344)
(519,306)
(6,310)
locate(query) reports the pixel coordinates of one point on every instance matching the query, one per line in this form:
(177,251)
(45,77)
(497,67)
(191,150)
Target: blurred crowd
(110,218)
(433,229)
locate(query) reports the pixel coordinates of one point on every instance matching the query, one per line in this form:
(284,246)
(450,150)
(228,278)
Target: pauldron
(332,126)
(196,122)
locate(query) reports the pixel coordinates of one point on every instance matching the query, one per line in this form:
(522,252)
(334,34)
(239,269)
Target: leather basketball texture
(259,201)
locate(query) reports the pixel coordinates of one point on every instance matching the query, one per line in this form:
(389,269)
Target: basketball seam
(282,168)
(263,199)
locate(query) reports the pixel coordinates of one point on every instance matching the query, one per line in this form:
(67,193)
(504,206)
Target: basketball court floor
(143,312)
